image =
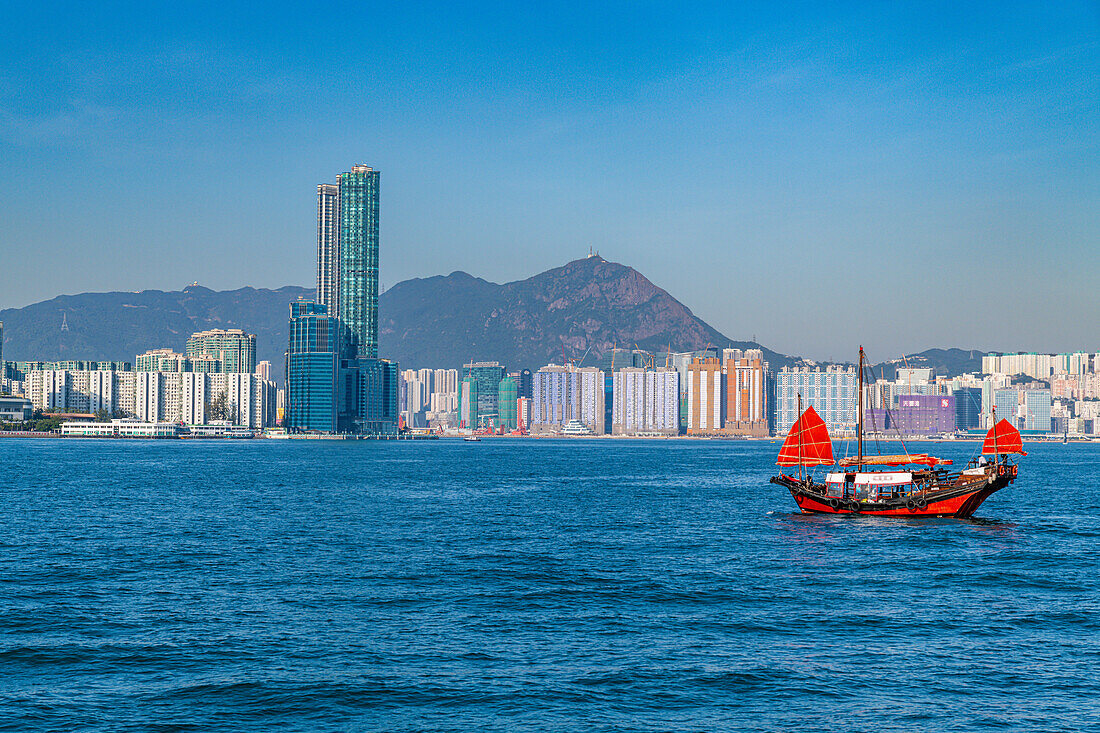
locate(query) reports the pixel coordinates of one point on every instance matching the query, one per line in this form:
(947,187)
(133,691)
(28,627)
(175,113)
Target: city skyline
(945,161)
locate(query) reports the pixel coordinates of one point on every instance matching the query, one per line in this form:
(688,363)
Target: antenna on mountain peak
(64,321)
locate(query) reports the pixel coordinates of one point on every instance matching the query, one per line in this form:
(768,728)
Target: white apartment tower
(328,247)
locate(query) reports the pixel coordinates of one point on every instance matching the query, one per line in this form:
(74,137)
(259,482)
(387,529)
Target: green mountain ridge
(579,310)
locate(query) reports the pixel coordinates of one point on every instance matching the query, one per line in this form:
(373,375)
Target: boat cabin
(871,486)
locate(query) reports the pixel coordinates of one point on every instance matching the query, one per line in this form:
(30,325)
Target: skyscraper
(364,388)
(488,375)
(564,393)
(746,394)
(328,247)
(358,244)
(467,403)
(706,394)
(311,360)
(646,402)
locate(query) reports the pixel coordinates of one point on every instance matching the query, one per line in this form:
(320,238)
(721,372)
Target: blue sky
(816,175)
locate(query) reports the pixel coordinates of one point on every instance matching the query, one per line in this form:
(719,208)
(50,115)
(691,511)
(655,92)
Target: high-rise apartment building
(565,393)
(166,360)
(444,396)
(235,349)
(328,246)
(157,396)
(467,403)
(746,395)
(832,392)
(645,402)
(680,361)
(358,291)
(706,397)
(523,413)
(87,391)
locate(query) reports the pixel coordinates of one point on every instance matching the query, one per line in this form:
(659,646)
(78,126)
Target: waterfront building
(468,400)
(968,408)
(565,393)
(680,361)
(122,429)
(915,416)
(1037,410)
(1007,402)
(645,402)
(523,413)
(488,375)
(832,392)
(358,243)
(233,348)
(89,391)
(507,395)
(746,394)
(15,409)
(370,394)
(311,363)
(706,396)
(196,398)
(376,401)
(328,247)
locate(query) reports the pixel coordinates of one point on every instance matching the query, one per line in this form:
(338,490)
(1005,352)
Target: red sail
(816,448)
(1003,438)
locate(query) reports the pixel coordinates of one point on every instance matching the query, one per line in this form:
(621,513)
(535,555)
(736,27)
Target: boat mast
(799,436)
(995,453)
(859,417)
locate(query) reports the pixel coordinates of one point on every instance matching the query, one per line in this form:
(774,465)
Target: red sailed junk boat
(914,484)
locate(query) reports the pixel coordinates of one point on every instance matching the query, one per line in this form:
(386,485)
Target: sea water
(528,585)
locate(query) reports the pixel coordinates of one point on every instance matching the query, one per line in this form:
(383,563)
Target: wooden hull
(958,499)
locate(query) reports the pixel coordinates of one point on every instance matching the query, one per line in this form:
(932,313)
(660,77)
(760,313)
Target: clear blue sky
(815,174)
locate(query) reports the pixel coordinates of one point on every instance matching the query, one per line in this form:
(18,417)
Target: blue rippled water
(514,585)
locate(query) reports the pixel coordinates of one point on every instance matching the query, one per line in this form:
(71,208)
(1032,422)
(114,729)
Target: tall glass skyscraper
(360,390)
(358,290)
(488,375)
(311,369)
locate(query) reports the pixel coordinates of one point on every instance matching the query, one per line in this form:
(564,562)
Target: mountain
(583,309)
(118,326)
(587,306)
(945,362)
